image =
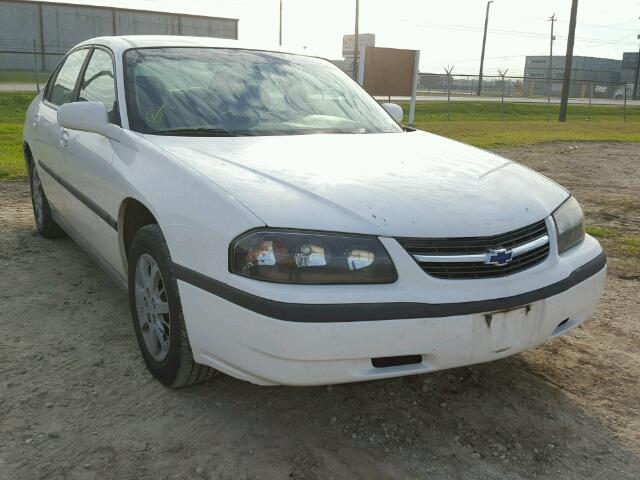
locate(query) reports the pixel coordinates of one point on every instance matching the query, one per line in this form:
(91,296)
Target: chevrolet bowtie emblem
(499,257)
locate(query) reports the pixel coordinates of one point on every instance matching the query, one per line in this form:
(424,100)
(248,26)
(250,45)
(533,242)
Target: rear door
(47,134)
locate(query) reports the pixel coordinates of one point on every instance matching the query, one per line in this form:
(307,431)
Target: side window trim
(54,77)
(83,70)
(117,119)
(47,86)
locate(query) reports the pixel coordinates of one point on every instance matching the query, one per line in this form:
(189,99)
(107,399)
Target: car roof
(124,42)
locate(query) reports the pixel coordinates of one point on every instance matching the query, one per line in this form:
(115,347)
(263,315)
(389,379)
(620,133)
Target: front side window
(98,83)
(62,88)
(226,92)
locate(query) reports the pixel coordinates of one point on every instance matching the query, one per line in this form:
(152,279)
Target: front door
(88,164)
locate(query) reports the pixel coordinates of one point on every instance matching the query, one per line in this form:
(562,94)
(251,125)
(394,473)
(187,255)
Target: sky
(447,33)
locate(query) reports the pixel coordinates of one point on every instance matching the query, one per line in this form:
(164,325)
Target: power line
(614,26)
(611,27)
(520,33)
(474,59)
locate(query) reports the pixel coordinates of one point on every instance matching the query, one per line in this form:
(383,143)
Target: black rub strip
(81,196)
(362,312)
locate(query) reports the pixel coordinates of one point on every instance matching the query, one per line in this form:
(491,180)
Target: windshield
(228,92)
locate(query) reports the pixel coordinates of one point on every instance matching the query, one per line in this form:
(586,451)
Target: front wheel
(46,225)
(157,312)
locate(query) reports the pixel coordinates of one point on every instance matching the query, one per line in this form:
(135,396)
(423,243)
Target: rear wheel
(46,225)
(157,312)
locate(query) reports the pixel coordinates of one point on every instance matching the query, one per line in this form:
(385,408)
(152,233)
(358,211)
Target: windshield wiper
(221,132)
(315,131)
(200,132)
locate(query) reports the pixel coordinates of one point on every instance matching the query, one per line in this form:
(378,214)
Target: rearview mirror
(394,110)
(87,117)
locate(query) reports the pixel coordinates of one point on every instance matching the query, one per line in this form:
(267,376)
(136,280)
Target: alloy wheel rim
(152,307)
(36,194)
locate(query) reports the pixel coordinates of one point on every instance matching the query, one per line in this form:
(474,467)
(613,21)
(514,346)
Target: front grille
(478,245)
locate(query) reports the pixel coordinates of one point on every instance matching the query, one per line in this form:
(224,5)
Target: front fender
(197,217)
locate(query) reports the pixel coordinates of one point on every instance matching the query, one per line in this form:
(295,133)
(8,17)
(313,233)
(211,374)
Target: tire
(156,312)
(46,225)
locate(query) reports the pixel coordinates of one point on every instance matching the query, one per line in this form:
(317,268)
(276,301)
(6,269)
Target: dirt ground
(76,401)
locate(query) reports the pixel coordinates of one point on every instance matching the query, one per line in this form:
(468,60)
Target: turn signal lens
(569,221)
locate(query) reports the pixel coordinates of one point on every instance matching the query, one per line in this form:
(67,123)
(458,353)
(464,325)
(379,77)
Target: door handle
(64,138)
(35,121)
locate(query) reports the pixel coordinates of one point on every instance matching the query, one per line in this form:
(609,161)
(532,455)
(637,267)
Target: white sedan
(271,221)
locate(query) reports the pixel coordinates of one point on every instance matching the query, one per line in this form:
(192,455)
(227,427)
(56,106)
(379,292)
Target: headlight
(309,257)
(569,224)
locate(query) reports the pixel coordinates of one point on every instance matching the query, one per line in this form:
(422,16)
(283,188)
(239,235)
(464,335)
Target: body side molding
(91,205)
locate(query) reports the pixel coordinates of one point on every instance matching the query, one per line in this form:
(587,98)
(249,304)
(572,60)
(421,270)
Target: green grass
(11,159)
(19,76)
(484,124)
(631,245)
(14,105)
(12,109)
(492,134)
(465,111)
(622,248)
(600,232)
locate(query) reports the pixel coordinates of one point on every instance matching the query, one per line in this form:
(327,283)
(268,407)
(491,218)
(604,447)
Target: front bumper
(254,346)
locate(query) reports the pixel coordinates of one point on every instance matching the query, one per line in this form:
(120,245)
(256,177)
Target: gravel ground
(76,400)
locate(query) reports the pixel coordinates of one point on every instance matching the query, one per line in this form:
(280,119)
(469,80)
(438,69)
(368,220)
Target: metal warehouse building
(53,28)
(584,72)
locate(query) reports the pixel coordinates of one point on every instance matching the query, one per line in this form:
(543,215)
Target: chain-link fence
(523,88)
(452,97)
(26,71)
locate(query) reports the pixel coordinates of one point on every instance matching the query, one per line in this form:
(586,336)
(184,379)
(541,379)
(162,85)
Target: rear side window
(98,84)
(62,89)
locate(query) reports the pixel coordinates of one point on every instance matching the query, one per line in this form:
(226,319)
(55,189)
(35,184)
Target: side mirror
(87,117)
(394,110)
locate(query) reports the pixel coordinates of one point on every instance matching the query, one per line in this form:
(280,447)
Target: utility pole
(635,83)
(484,44)
(552,19)
(280,38)
(355,42)
(568,62)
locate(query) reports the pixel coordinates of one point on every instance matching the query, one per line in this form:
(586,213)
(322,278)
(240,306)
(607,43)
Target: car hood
(396,184)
